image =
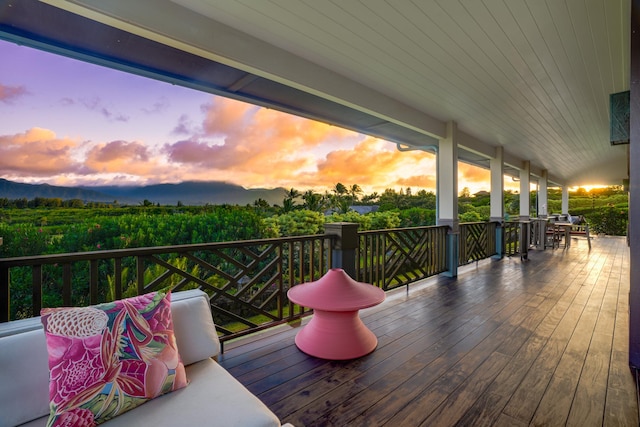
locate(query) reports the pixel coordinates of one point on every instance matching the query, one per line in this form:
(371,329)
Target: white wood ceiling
(531,75)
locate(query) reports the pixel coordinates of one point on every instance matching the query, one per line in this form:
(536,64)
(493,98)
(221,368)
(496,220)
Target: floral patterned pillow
(109,358)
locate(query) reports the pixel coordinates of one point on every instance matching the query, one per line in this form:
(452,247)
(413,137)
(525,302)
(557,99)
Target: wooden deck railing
(477,241)
(512,238)
(246,281)
(392,258)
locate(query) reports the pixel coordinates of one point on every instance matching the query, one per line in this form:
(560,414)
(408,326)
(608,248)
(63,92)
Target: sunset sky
(66,122)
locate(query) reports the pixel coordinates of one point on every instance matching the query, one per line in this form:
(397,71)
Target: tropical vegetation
(45,226)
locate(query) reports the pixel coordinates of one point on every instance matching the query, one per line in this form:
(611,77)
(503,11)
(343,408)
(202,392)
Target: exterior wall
(634,191)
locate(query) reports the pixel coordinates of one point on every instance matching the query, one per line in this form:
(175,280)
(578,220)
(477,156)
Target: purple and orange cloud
(233,142)
(8,94)
(252,141)
(158,107)
(374,163)
(133,158)
(473,174)
(37,152)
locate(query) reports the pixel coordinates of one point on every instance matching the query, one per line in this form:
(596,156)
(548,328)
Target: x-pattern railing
(393,258)
(246,281)
(477,241)
(512,238)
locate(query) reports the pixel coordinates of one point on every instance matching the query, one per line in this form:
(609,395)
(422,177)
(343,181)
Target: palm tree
(354,192)
(340,189)
(342,205)
(289,203)
(371,198)
(313,201)
(292,194)
(261,205)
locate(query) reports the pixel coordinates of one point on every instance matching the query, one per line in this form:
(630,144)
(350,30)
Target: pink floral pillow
(107,359)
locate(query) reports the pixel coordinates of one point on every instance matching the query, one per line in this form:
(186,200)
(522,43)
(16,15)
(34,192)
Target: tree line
(50,202)
(42,225)
(341,198)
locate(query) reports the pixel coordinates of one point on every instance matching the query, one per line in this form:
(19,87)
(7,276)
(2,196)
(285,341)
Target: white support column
(525,179)
(497,197)
(565,200)
(447,180)
(543,195)
(542,210)
(497,186)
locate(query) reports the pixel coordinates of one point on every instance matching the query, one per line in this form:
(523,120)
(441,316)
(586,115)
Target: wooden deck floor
(508,343)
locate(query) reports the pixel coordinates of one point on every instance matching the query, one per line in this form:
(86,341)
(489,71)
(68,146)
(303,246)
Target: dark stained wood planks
(507,343)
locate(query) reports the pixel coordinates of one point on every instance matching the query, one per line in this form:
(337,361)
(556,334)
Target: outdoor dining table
(567,232)
(336,331)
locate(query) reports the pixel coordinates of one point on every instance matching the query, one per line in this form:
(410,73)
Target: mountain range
(188,193)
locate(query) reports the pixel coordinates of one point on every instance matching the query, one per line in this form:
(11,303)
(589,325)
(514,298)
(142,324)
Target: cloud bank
(37,152)
(231,141)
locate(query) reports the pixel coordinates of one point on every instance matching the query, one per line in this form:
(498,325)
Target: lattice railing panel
(246,281)
(477,241)
(511,238)
(393,258)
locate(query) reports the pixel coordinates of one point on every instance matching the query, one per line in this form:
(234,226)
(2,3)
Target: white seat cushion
(24,378)
(213,398)
(193,326)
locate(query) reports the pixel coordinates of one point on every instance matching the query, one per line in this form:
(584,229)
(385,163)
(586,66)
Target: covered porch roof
(531,76)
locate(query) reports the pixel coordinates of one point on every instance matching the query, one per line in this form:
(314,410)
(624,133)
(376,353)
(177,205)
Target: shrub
(471,216)
(295,223)
(24,240)
(417,217)
(610,220)
(370,221)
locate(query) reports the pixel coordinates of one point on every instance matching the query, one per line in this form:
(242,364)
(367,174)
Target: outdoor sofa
(211,398)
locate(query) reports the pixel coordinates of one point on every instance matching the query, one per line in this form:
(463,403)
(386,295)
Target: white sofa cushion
(213,398)
(24,378)
(193,326)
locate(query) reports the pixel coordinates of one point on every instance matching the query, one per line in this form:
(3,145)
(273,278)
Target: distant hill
(17,190)
(193,193)
(188,192)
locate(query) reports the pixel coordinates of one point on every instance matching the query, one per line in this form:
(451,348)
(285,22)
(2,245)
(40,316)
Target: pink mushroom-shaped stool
(336,332)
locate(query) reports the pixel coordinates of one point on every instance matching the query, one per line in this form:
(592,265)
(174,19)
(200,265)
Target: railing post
(344,247)
(5,295)
(499,249)
(525,237)
(541,224)
(452,247)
